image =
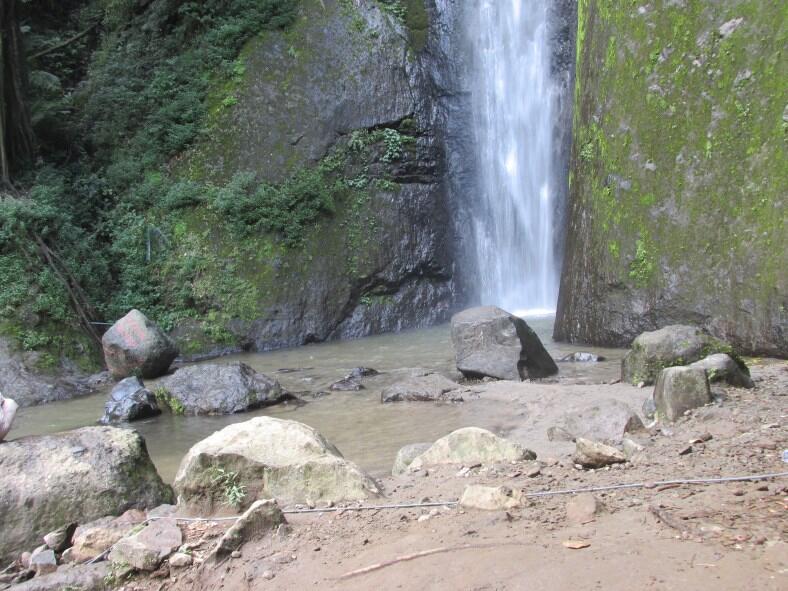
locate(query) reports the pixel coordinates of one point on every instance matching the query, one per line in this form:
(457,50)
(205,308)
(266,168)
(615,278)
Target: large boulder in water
(135,345)
(471,445)
(680,389)
(266,458)
(218,389)
(668,347)
(491,342)
(77,476)
(130,400)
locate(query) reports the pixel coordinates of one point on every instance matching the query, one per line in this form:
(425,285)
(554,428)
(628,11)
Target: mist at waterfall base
(513,97)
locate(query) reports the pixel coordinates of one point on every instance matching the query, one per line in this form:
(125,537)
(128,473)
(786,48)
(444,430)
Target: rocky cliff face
(351,82)
(678,174)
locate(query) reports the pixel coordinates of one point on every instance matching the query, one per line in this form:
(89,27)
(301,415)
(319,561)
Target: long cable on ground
(546,493)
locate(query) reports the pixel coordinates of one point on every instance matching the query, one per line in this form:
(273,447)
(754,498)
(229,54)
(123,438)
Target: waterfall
(513,98)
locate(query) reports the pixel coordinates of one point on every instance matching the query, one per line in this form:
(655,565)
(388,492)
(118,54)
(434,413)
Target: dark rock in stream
(219,389)
(362,372)
(347,384)
(75,476)
(491,342)
(130,400)
(581,357)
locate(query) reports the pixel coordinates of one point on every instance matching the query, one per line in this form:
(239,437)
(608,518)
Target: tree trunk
(17,142)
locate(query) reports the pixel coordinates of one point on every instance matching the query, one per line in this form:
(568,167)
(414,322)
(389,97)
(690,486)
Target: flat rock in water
(81,475)
(581,357)
(219,389)
(593,454)
(680,389)
(361,372)
(135,345)
(130,400)
(721,367)
(603,420)
(348,384)
(491,342)
(429,388)
(469,446)
(270,458)
(406,455)
(490,498)
(146,549)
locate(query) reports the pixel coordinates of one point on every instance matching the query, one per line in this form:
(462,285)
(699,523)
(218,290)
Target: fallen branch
(422,554)
(64,44)
(669,520)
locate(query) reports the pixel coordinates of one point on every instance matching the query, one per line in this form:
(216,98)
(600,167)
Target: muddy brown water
(365,431)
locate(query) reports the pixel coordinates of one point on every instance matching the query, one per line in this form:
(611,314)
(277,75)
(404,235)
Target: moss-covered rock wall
(679,173)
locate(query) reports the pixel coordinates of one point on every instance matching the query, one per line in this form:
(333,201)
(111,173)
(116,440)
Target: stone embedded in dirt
(94,538)
(257,521)
(555,433)
(721,367)
(429,388)
(649,409)
(581,357)
(490,498)
(491,342)
(582,509)
(667,347)
(76,577)
(135,345)
(631,447)
(268,458)
(603,420)
(80,475)
(181,560)
(593,454)
(348,384)
(680,389)
(43,561)
(61,538)
(146,549)
(406,455)
(130,400)
(471,445)
(219,389)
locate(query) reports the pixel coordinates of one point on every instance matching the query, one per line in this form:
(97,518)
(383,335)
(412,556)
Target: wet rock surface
(428,388)
(130,400)
(218,389)
(491,342)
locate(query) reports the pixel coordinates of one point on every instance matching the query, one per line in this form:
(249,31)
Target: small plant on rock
(234,491)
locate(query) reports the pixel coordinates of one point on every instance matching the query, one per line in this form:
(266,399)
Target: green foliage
(641,270)
(164,398)
(234,492)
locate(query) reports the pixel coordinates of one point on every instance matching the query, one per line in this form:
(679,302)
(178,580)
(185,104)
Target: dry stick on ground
(422,554)
(669,520)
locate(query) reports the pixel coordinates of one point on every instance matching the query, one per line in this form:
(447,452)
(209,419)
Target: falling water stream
(513,115)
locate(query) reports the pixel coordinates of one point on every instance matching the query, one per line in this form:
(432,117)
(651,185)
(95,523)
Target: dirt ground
(688,537)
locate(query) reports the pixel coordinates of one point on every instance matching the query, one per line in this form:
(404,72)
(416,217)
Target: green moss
(693,122)
(167,400)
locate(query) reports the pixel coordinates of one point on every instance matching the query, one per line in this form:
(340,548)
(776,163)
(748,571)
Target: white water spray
(513,115)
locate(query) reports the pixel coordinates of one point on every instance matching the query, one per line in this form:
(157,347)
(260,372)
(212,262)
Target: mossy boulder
(72,477)
(266,458)
(668,347)
(680,389)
